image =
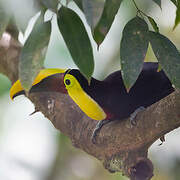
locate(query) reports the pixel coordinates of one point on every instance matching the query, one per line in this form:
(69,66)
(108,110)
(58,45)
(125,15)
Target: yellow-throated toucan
(107,99)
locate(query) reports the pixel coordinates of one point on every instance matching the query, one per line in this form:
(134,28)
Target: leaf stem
(136,5)
(139,10)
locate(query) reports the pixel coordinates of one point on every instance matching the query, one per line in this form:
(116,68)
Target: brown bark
(120,147)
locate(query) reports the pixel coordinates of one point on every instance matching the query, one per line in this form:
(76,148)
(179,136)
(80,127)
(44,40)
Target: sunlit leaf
(177,20)
(33,52)
(133,49)
(77,40)
(168,56)
(158,2)
(93,11)
(159,68)
(150,56)
(110,10)
(153,23)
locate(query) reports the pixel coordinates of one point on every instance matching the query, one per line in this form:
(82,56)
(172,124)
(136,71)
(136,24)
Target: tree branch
(120,146)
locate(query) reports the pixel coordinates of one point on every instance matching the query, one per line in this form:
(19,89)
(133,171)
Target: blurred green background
(32,149)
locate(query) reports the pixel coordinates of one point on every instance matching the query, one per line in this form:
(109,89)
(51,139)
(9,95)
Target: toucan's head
(69,81)
(73,79)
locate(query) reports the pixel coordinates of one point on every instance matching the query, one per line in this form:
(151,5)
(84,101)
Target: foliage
(80,49)
(33,52)
(135,39)
(133,49)
(5,84)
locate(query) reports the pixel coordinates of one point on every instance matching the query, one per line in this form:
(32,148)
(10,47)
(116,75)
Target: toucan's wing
(111,94)
(150,87)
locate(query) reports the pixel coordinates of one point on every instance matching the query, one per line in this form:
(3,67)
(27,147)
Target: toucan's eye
(67,82)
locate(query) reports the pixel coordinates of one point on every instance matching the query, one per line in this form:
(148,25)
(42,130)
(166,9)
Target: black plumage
(111,94)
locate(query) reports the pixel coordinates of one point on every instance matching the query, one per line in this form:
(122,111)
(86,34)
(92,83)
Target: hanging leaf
(168,56)
(4,20)
(110,10)
(153,23)
(77,40)
(33,52)
(158,2)
(133,49)
(177,20)
(93,11)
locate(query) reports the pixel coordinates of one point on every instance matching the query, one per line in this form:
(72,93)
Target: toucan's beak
(46,80)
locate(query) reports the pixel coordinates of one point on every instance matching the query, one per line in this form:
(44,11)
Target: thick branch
(120,146)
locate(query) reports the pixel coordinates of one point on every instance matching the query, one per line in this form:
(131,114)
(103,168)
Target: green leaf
(167,55)
(4,20)
(174,2)
(150,56)
(158,2)
(77,40)
(33,52)
(153,23)
(79,4)
(133,48)
(110,10)
(177,20)
(93,11)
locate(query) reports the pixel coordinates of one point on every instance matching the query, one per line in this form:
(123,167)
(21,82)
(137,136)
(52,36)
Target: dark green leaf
(93,11)
(174,2)
(158,2)
(79,4)
(110,10)
(153,23)
(33,52)
(4,20)
(177,20)
(133,49)
(77,40)
(168,56)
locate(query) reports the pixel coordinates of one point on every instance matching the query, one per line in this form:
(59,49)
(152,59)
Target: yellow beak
(17,88)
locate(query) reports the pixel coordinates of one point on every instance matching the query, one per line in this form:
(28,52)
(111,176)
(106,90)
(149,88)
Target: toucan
(105,100)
